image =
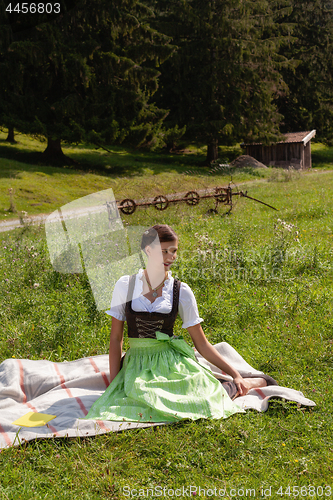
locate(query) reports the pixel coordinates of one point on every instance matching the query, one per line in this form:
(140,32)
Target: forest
(148,73)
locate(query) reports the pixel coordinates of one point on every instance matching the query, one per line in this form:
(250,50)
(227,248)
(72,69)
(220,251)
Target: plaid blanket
(256,399)
(68,390)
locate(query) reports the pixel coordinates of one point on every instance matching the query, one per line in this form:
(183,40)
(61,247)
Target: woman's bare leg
(255,382)
(252,383)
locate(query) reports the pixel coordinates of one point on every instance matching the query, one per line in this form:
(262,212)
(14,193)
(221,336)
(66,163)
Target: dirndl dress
(160,379)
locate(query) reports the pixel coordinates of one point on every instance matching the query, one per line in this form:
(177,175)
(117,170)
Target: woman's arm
(210,353)
(116,344)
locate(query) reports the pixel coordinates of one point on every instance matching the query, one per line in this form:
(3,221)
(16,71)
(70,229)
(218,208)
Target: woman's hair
(163,231)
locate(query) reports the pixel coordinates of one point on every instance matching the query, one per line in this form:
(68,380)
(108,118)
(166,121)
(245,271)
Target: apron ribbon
(177,343)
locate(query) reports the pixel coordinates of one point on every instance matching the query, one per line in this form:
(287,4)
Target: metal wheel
(161,202)
(127,206)
(221,195)
(192,198)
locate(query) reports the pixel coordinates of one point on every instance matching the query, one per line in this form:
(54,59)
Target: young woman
(160,379)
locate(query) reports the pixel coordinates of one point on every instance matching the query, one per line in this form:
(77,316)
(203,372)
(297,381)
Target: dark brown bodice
(146,324)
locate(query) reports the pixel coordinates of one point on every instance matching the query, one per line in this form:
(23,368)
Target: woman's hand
(242,385)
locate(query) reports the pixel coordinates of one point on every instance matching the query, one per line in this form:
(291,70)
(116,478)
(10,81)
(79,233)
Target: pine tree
(309,103)
(222,80)
(11,135)
(87,74)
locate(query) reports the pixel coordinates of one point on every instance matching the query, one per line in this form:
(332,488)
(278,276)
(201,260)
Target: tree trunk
(54,154)
(10,136)
(212,151)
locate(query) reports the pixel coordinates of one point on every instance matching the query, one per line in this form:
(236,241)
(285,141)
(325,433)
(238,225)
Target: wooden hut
(294,151)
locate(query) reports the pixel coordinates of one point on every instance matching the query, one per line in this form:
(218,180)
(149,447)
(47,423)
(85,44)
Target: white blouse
(188,309)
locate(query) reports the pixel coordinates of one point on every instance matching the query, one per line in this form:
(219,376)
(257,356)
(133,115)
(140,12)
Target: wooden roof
(290,137)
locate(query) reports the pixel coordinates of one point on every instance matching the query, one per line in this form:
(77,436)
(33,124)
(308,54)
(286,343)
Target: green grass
(262,285)
(321,156)
(38,188)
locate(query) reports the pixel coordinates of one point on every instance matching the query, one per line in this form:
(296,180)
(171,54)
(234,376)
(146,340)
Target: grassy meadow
(263,282)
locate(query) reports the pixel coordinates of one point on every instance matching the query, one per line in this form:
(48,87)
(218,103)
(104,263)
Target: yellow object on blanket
(34,419)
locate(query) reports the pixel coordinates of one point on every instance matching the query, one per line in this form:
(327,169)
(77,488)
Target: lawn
(39,189)
(263,282)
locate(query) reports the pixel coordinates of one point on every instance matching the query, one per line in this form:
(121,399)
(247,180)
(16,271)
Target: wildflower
(36,285)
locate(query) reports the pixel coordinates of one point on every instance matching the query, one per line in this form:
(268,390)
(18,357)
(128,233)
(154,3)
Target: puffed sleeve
(118,302)
(188,309)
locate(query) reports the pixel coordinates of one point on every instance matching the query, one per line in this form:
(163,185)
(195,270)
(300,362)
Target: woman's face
(163,254)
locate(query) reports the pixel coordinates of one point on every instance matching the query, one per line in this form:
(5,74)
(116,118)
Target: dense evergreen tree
(309,103)
(88,73)
(17,33)
(222,80)
(11,135)
(92,70)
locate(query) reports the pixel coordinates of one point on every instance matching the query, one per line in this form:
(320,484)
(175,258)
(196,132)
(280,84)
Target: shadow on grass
(26,160)
(136,162)
(118,162)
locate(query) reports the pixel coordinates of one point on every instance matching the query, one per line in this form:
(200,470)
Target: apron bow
(177,343)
